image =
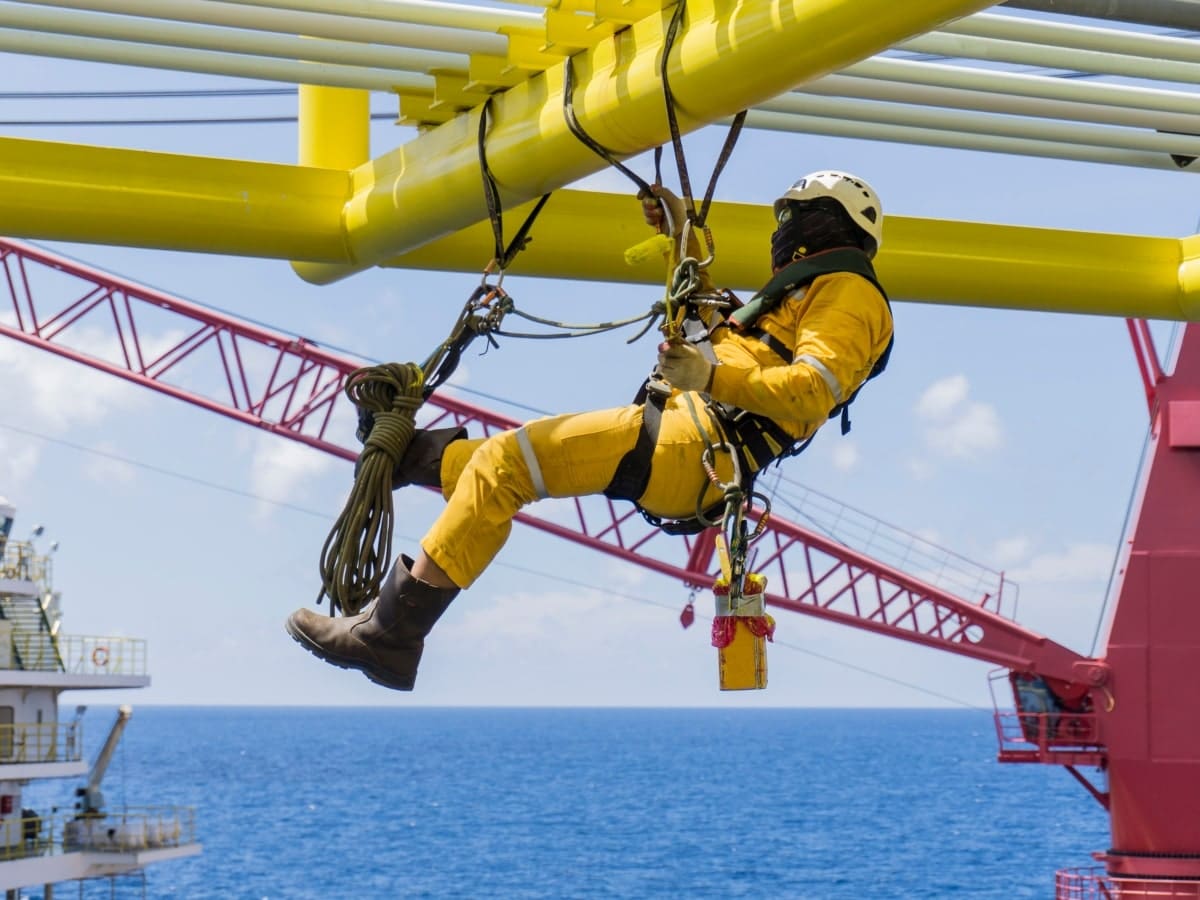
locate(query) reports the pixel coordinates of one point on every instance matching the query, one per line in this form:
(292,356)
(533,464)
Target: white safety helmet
(854,195)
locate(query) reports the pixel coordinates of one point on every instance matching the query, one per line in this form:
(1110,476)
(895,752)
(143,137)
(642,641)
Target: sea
(418,802)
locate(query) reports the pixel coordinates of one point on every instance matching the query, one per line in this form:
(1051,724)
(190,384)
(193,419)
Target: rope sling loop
(684,282)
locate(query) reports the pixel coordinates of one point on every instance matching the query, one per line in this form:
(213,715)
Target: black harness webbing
(758,439)
(633,471)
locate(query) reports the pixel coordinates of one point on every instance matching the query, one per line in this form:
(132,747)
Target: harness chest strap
(791,278)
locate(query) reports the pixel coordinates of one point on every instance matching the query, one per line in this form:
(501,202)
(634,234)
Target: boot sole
(378,676)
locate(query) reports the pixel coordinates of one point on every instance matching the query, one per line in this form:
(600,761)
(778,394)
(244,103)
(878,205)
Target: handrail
(1093,883)
(129,829)
(46,742)
(80,654)
(21,561)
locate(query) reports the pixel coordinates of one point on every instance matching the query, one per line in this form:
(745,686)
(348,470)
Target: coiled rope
(358,551)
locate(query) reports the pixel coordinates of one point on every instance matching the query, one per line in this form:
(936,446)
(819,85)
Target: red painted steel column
(1152,731)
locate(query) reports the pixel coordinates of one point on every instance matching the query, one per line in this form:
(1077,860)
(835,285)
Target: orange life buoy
(100,657)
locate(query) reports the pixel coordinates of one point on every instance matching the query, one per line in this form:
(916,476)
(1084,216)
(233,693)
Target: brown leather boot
(422,461)
(386,641)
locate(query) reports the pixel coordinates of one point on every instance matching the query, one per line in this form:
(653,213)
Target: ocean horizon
(548,802)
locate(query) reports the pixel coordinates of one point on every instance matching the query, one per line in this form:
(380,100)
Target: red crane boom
(290,386)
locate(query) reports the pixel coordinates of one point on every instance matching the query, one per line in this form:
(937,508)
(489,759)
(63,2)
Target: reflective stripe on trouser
(486,482)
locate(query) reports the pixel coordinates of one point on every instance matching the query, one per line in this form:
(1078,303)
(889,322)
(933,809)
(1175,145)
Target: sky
(1011,438)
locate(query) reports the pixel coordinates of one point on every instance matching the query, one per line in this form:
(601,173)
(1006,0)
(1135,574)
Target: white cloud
(568,647)
(281,468)
(940,399)
(59,393)
(1009,551)
(1079,563)
(524,616)
(957,427)
(845,455)
(976,430)
(18,459)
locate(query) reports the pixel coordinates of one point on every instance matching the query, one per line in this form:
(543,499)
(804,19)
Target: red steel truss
(291,387)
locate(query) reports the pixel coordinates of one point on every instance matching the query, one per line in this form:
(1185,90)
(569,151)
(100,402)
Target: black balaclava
(810,226)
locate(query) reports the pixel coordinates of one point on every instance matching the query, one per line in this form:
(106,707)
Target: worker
(775,381)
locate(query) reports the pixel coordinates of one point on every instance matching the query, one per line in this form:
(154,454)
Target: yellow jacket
(837,327)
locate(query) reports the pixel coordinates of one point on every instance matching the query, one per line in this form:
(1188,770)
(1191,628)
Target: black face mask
(809,227)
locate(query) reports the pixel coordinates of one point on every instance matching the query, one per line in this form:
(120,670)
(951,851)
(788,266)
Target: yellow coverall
(837,327)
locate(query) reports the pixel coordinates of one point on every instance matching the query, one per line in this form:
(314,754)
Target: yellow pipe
(138,198)
(1189,277)
(335,127)
(583,235)
(430,187)
(135,198)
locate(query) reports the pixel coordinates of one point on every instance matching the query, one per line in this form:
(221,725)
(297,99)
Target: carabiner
(491,269)
(710,468)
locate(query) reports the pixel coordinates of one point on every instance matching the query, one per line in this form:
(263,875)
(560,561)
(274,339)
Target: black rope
(578,330)
(595,146)
(735,129)
(502,256)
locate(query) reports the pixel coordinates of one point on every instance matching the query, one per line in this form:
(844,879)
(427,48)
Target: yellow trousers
(486,482)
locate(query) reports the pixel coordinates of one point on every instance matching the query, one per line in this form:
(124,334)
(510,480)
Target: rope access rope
(358,550)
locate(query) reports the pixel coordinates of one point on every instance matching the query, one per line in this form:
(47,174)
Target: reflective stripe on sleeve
(531,463)
(830,379)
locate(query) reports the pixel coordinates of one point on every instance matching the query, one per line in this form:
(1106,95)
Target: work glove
(665,212)
(662,210)
(684,367)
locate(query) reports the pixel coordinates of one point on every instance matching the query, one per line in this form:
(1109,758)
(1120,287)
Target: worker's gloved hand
(366,421)
(684,366)
(662,210)
(665,212)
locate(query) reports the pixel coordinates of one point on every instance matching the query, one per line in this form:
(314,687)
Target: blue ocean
(564,803)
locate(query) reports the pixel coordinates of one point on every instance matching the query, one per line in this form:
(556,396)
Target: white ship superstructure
(41,739)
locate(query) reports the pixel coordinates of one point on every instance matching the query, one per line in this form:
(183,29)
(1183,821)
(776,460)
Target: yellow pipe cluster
(422,205)
(429,188)
(584,235)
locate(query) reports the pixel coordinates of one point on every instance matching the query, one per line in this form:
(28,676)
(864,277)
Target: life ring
(100,657)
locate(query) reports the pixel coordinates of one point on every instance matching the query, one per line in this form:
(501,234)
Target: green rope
(358,551)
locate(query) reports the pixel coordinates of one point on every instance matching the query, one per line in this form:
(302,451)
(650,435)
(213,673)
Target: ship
(42,740)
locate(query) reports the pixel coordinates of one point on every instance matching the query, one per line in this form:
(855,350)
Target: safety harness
(757,439)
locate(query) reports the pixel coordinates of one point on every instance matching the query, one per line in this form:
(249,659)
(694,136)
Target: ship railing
(22,562)
(129,830)
(1045,730)
(1040,729)
(48,742)
(1093,883)
(80,654)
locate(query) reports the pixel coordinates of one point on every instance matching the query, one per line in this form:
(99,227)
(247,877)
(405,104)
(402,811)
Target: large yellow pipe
(335,127)
(1189,278)
(583,235)
(135,198)
(729,56)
